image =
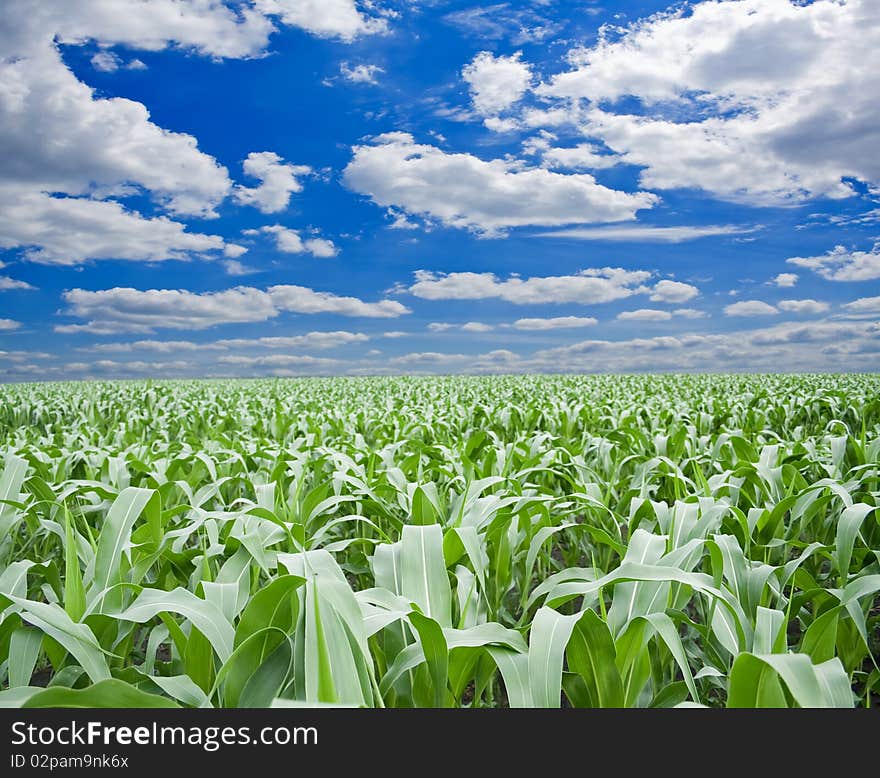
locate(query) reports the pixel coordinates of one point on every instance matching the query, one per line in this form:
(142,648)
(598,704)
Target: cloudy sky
(299,187)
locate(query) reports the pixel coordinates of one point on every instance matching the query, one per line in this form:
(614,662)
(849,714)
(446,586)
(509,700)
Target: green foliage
(628,541)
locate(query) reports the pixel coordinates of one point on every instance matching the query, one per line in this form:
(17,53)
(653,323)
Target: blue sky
(288,187)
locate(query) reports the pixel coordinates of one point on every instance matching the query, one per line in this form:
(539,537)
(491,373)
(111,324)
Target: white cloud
(596,285)
(750,308)
(427,357)
(278,360)
(326,18)
(841,264)
(711,97)
(645,314)
(555,323)
(61,140)
(654,314)
(9,324)
(73,230)
(7,284)
(803,306)
(290,242)
(310,340)
(399,221)
(233,250)
(690,313)
(360,74)
(496,124)
(496,83)
(320,247)
(673,292)
(477,326)
(785,280)
(22,356)
(278,180)
(643,233)
(790,346)
(301,299)
(864,305)
(106,62)
(464,191)
(157,346)
(120,309)
(584,156)
(235,268)
(92,145)
(129,310)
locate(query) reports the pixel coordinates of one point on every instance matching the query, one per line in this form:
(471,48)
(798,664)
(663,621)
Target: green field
(625,541)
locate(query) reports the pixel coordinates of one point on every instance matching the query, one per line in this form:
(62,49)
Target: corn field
(529,541)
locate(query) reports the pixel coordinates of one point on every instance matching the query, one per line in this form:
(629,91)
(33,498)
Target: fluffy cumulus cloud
(344,19)
(690,313)
(583,156)
(644,314)
(784,280)
(841,264)
(673,292)
(655,314)
(465,191)
(278,180)
(67,149)
(595,285)
(72,230)
(476,326)
(496,83)
(9,324)
(864,305)
(555,323)
(291,242)
(710,97)
(803,306)
(750,308)
(7,284)
(120,309)
(301,299)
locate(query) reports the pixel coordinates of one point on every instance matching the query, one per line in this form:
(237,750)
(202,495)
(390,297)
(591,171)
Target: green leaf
(74,591)
(436,654)
(205,616)
(78,639)
(754,682)
(110,693)
(116,534)
(24,649)
(424,579)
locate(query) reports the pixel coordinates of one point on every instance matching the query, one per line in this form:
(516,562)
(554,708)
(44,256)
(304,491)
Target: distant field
(625,541)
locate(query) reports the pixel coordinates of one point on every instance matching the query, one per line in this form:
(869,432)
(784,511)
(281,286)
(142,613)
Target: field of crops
(626,541)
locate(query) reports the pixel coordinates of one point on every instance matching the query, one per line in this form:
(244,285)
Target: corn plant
(529,541)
